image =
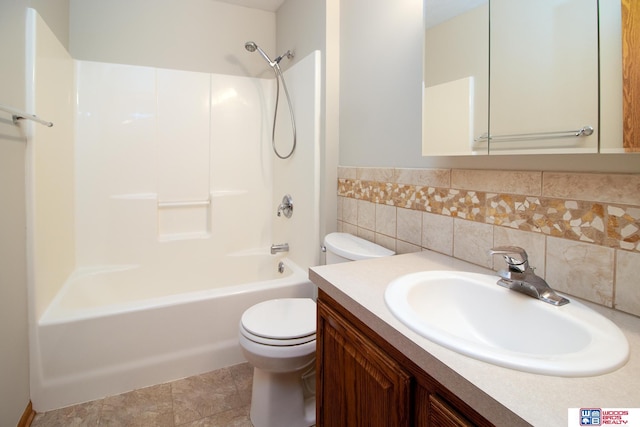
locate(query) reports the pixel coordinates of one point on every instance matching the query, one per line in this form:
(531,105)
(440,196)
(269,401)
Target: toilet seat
(280,322)
(276,342)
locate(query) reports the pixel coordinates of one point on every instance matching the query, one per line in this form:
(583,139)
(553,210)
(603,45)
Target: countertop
(497,393)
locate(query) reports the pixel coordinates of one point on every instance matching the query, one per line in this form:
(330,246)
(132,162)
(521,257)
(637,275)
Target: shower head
(252,47)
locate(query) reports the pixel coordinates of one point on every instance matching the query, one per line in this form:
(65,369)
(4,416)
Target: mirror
(537,92)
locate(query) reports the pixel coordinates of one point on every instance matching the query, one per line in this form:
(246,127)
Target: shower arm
(288,54)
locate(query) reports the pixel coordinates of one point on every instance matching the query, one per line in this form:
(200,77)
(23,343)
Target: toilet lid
(281,319)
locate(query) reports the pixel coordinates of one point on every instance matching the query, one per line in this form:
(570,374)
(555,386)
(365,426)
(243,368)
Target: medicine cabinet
(522,77)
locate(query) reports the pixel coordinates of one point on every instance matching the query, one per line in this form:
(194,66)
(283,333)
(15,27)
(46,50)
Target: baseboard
(27,416)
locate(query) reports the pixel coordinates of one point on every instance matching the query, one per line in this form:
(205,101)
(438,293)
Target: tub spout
(280,247)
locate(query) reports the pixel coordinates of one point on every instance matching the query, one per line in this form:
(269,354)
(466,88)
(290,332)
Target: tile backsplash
(581,230)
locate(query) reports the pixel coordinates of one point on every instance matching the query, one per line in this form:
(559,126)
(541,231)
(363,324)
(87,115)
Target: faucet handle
(286,206)
(519,264)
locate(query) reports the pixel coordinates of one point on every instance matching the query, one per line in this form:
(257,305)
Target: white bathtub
(115,329)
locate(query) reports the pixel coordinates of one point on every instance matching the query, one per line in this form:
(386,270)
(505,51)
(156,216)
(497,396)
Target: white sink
(470,314)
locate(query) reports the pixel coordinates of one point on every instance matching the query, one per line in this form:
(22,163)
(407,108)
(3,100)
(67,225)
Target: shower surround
(171,187)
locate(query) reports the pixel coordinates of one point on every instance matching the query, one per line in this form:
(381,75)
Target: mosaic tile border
(613,225)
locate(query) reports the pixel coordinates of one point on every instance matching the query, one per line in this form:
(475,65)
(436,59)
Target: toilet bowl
(278,338)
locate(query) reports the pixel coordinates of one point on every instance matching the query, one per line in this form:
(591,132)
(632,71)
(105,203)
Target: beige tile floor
(217,398)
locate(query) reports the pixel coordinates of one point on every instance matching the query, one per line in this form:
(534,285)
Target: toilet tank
(343,247)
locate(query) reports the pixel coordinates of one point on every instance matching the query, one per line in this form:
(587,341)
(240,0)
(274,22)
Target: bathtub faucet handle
(286,206)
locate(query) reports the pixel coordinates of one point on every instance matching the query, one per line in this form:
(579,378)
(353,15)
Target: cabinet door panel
(360,385)
(443,415)
(543,76)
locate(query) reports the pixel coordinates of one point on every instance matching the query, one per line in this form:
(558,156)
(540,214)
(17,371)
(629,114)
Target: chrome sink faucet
(519,276)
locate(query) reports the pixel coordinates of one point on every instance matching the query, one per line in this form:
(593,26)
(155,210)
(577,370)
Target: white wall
(14,351)
(299,175)
(211,38)
(56,14)
(305,27)
(149,138)
(50,164)
(14,334)
(195,35)
(300,26)
(380,82)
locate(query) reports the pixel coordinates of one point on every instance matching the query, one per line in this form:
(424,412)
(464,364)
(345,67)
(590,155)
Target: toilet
(278,338)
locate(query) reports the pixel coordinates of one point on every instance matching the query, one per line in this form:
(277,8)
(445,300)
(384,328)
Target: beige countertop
(496,393)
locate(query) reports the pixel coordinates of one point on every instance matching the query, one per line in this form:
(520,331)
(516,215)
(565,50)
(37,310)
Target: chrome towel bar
(584,131)
(19,115)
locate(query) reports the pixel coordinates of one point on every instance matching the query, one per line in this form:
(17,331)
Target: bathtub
(112,329)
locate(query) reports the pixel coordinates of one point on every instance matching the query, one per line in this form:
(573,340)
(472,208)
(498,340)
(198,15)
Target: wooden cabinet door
(358,384)
(442,414)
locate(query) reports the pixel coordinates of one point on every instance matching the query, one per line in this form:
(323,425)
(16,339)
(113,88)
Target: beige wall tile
(366,215)
(425,177)
(409,227)
(611,188)
(512,182)
(385,241)
(369,235)
(580,269)
(406,248)
(623,227)
(532,243)
(570,224)
(472,241)
(376,174)
(627,282)
(386,220)
(350,211)
(346,172)
(437,233)
(349,228)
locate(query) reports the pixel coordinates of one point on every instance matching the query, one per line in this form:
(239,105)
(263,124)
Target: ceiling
(438,10)
(268,5)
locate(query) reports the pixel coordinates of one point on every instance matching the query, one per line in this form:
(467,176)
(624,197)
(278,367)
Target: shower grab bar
(584,131)
(184,203)
(19,115)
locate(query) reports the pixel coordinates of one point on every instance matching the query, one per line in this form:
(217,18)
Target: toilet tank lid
(351,247)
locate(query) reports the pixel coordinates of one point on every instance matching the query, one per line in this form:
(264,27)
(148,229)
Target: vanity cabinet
(359,384)
(364,381)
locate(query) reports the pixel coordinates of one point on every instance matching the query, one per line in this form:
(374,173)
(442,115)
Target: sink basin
(470,314)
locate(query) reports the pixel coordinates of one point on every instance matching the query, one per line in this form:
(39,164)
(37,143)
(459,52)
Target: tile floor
(217,398)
